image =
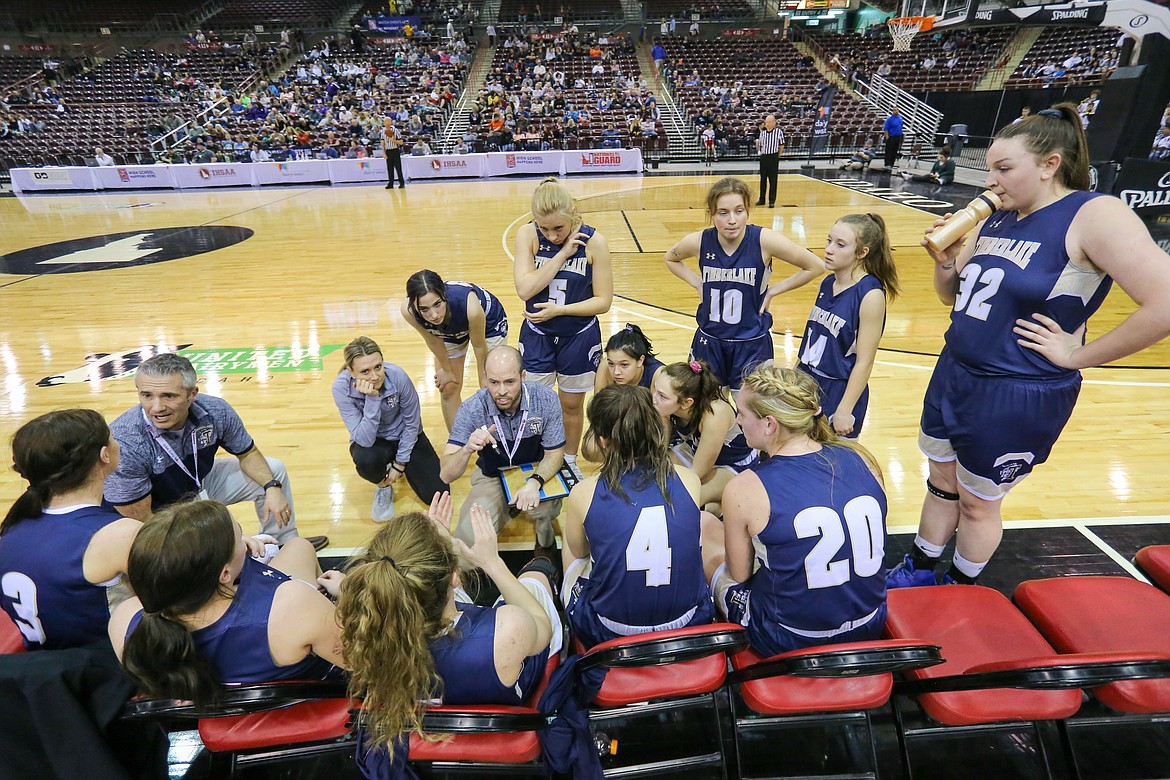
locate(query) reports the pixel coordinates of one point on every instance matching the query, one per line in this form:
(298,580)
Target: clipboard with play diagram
(514,477)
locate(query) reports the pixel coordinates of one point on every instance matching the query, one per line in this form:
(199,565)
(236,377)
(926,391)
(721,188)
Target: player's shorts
(460,349)
(733,600)
(831,393)
(726,459)
(593,629)
(569,361)
(731,361)
(996,428)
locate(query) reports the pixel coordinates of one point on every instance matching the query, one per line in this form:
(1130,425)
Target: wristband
(395,465)
(273,483)
(539,479)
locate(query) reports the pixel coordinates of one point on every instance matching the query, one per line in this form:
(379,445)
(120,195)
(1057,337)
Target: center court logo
(254,362)
(601,158)
(122,250)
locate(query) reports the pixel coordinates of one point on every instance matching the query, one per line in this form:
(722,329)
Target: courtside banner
(345,171)
(134,177)
(511,163)
(443,166)
(291,172)
(1144,186)
(47,179)
(603,160)
(214,175)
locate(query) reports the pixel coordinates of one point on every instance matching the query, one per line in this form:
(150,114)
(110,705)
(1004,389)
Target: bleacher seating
(767,69)
(977,51)
(1056,46)
(708,10)
(17,68)
(124,103)
(579,10)
(622,86)
(121,15)
(244,14)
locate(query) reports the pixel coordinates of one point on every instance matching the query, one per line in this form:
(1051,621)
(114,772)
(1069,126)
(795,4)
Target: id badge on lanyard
(178,461)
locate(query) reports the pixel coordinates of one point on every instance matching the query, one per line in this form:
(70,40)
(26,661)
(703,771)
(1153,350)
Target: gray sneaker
(383,504)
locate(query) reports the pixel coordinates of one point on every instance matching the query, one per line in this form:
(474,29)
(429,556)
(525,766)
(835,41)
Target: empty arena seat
(1155,562)
(663,671)
(825,686)
(1105,615)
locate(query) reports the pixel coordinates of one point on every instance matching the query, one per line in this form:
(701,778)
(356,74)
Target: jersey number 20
(863,517)
(23,592)
(649,547)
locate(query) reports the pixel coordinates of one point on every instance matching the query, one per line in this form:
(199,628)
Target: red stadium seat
(828,685)
(1105,615)
(1154,561)
(663,671)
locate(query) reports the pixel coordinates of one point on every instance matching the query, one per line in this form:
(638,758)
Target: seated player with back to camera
(631,555)
(817,509)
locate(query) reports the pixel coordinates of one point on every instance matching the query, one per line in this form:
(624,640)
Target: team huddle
(727,486)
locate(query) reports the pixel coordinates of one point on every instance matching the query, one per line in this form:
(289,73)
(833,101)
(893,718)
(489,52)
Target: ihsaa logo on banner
(601,158)
(438,164)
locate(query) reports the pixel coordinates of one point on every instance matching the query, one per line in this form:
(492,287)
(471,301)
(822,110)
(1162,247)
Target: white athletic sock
(928,549)
(972,570)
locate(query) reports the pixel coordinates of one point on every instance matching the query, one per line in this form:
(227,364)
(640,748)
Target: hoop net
(904,28)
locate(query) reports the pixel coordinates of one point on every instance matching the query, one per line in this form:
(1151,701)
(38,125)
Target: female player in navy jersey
(207,613)
(1022,290)
(629,360)
(735,265)
(410,633)
(563,272)
(631,555)
(61,553)
(846,323)
(693,404)
(817,508)
(449,316)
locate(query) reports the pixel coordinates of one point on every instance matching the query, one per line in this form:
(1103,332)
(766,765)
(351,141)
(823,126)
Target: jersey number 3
(23,592)
(863,517)
(649,547)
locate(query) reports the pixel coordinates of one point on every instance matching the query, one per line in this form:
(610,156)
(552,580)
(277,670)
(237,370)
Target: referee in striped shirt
(770,145)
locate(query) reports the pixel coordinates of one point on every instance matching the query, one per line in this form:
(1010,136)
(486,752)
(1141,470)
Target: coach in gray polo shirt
(509,422)
(168,445)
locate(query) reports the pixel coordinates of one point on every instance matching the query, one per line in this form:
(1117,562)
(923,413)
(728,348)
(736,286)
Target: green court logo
(258,360)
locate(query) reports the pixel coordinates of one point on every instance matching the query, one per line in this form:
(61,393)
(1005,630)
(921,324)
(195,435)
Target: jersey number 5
(556,291)
(23,592)
(863,517)
(649,547)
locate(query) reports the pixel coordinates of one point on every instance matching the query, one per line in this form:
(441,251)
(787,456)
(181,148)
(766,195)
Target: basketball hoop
(904,28)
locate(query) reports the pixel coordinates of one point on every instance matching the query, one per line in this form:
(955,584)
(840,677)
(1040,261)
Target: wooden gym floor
(324,265)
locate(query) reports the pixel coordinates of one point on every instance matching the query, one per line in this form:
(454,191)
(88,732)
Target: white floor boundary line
(1080,523)
(1115,556)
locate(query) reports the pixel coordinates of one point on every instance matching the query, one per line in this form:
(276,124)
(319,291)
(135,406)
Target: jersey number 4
(863,517)
(976,302)
(23,592)
(649,547)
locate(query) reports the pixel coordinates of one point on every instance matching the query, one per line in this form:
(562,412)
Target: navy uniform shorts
(570,361)
(731,361)
(996,428)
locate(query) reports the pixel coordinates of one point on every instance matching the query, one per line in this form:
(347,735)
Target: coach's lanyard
(158,437)
(511,452)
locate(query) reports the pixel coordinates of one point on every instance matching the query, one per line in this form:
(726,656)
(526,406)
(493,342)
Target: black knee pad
(943,494)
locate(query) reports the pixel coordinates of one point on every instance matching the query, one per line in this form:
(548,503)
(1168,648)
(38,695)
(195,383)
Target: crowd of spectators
(549,90)
(1083,66)
(331,103)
